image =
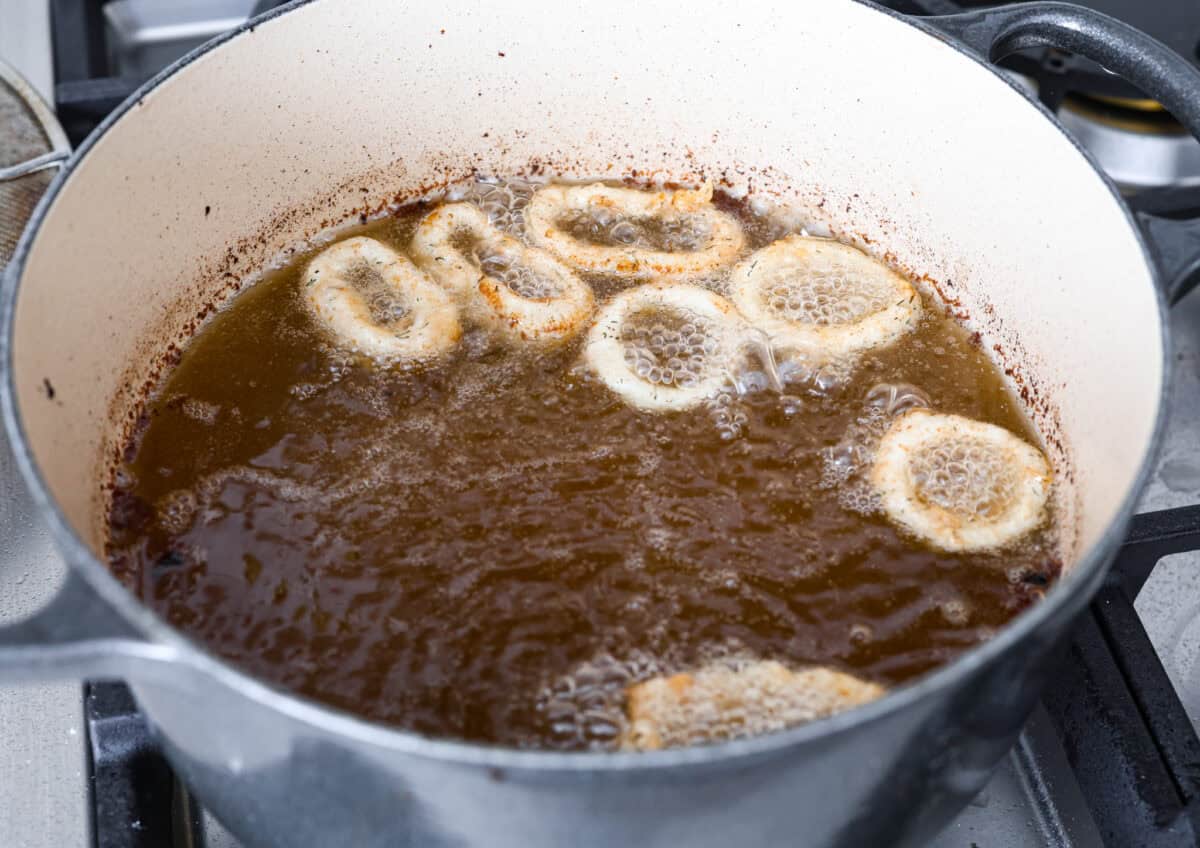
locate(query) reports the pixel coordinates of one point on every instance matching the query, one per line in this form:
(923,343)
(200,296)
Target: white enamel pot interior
(894,139)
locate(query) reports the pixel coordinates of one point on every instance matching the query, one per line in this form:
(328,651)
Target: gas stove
(1110,758)
(1137,143)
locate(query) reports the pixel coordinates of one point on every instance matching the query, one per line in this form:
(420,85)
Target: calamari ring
(428,325)
(662,368)
(725,701)
(550,204)
(959,484)
(823,299)
(549,305)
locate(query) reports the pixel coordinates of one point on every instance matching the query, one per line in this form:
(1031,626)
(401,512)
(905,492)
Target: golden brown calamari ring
(428,326)
(723,701)
(551,203)
(670,364)
(823,299)
(550,305)
(960,484)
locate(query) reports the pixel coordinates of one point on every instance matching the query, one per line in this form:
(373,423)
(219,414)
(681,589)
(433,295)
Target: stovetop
(1106,760)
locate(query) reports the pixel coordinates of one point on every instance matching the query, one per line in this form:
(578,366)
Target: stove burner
(1136,159)
(1135,141)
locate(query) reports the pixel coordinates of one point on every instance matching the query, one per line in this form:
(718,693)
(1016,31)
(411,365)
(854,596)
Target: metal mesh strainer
(31,145)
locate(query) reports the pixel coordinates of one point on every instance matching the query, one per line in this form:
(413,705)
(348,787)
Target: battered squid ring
(795,288)
(608,355)
(960,485)
(430,327)
(722,701)
(550,203)
(543,319)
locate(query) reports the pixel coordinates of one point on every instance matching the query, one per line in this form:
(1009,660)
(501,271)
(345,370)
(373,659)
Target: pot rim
(1066,598)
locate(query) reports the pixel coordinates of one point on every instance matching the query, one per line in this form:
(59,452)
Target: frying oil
(494,547)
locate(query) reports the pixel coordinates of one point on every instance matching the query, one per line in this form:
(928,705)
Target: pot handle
(1149,64)
(76,635)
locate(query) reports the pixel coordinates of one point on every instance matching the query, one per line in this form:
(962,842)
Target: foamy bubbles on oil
(586,707)
(177,511)
(518,277)
(727,415)
(861,634)
(799,374)
(667,349)
(770,220)
(180,510)
(751,374)
(956,611)
(503,201)
(608,226)
(199,410)
(823,298)
(851,455)
(966,478)
(846,464)
(896,398)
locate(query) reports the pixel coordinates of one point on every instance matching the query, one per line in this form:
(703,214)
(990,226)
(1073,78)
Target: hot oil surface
(492,548)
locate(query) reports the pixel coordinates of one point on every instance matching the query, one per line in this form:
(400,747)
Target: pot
(893,132)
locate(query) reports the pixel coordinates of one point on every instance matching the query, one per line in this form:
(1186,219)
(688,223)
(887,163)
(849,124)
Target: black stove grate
(84,89)
(1127,737)
(87,84)
(134,791)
